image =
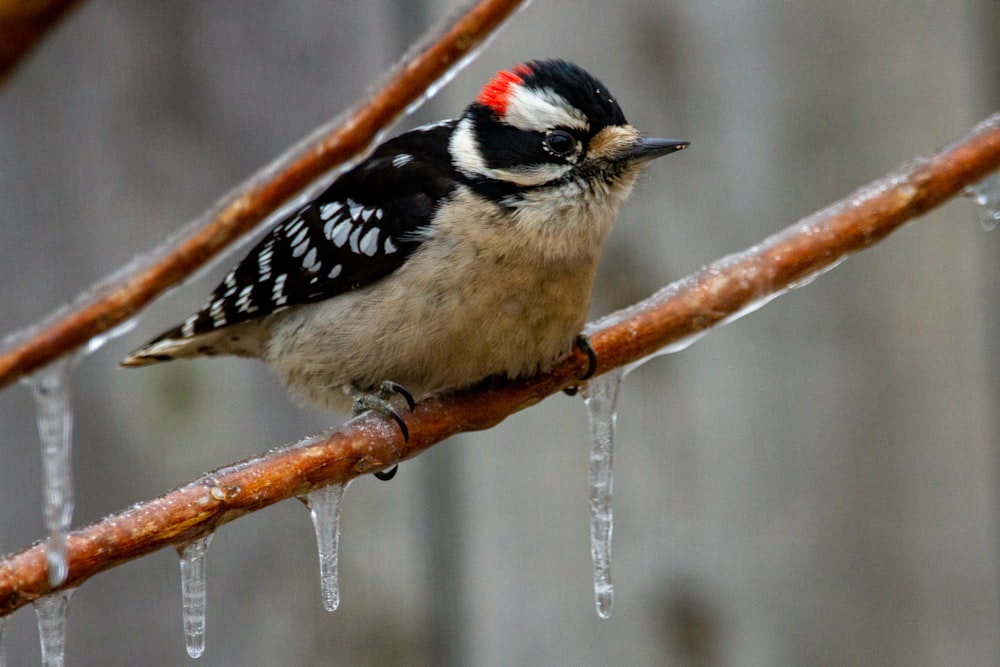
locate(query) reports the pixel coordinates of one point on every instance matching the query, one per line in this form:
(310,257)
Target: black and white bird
(456,251)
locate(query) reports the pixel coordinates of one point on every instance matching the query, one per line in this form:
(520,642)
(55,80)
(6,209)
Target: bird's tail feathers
(236,340)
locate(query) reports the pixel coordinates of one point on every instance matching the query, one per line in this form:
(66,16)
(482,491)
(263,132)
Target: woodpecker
(456,251)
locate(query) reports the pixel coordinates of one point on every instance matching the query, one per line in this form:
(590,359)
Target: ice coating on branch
(433,36)
(50,388)
(986,194)
(51,611)
(601,398)
(324,507)
(193,591)
(755,275)
(98,341)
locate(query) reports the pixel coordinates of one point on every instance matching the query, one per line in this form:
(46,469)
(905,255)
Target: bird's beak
(649,149)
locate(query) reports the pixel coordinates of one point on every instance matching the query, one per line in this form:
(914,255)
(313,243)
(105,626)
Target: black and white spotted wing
(363,227)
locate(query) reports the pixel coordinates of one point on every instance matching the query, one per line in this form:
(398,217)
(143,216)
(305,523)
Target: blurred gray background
(815,484)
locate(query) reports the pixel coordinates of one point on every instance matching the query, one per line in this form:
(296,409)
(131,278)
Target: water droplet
(986,194)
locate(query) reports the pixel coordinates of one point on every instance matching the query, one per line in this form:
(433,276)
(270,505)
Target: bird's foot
(381,400)
(583,343)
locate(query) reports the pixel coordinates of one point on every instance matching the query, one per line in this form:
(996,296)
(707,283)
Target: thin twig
(674,315)
(109,305)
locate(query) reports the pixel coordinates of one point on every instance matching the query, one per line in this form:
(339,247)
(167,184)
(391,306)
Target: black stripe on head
(578,87)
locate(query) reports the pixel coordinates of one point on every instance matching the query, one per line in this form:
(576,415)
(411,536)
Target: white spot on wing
(278,291)
(389,246)
(295,226)
(354,239)
(355,208)
(300,249)
(340,232)
(327,211)
(263,265)
(335,271)
(215,311)
(369,242)
(243,301)
(329,227)
(309,261)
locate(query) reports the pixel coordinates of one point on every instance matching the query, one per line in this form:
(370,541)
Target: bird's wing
(363,227)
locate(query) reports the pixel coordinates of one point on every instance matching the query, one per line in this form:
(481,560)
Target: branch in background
(673,316)
(22,24)
(116,301)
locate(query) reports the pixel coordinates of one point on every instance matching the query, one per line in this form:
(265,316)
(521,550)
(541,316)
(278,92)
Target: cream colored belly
(433,330)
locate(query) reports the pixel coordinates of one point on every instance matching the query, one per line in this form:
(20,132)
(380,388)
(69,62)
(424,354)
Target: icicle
(51,612)
(986,193)
(324,507)
(50,387)
(601,398)
(193,593)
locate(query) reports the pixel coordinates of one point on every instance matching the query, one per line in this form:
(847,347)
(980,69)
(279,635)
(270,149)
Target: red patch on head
(496,93)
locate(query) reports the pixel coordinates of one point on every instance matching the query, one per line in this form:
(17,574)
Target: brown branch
(23,24)
(109,305)
(685,309)
(672,316)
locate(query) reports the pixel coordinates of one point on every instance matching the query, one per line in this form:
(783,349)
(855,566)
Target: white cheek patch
(542,109)
(465,150)
(467,159)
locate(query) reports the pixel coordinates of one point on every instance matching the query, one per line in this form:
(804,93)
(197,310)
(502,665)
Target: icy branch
(115,300)
(716,294)
(681,312)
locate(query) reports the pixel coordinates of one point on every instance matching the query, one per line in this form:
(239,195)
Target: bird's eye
(560,143)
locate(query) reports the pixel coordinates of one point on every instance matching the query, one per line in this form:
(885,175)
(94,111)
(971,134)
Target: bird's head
(546,124)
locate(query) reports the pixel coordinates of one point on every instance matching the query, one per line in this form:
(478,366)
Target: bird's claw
(387,474)
(583,343)
(380,400)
